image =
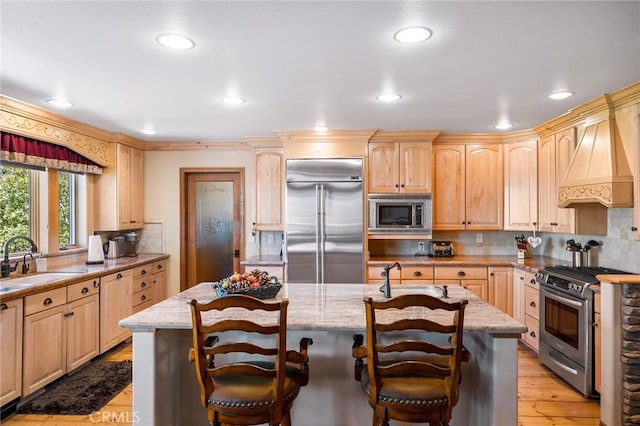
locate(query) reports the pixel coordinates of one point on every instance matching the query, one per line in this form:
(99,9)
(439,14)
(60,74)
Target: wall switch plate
(479,238)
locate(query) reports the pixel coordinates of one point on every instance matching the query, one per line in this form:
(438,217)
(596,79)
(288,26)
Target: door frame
(184,220)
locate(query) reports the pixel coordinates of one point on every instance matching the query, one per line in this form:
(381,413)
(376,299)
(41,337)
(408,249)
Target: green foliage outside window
(14,203)
(65,209)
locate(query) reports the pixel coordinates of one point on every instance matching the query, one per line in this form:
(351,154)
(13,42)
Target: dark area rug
(83,392)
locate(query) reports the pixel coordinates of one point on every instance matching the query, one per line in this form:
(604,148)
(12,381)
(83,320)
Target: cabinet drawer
(532,335)
(417,273)
(377,273)
(45,300)
(532,302)
(143,296)
(143,271)
(159,266)
(116,276)
(142,283)
(460,273)
(83,289)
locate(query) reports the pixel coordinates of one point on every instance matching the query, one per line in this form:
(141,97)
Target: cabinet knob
(461,273)
(534,223)
(491,274)
(3,307)
(634,228)
(533,281)
(522,278)
(532,304)
(119,277)
(402,186)
(532,334)
(417,274)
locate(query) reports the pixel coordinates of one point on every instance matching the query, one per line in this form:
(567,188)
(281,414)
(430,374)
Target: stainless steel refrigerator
(324,226)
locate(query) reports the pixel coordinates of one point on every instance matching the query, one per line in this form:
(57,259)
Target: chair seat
(242,391)
(408,390)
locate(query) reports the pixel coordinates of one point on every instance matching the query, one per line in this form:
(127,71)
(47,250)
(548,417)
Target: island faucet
(6,269)
(386,287)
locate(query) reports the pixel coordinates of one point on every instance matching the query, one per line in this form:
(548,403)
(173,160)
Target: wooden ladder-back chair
(413,358)
(248,383)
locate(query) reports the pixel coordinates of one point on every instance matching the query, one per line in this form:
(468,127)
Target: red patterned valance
(31,152)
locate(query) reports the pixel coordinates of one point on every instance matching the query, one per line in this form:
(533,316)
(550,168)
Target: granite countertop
(25,285)
(323,307)
(264,260)
(530,265)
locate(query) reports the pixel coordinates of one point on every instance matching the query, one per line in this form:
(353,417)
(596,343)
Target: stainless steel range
(566,322)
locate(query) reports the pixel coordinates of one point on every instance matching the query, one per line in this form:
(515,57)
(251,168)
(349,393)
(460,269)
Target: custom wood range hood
(599,173)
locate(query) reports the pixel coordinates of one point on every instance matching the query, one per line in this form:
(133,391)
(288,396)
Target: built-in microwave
(398,213)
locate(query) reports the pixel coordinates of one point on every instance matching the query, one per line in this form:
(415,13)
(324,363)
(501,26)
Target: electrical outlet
(420,247)
(479,238)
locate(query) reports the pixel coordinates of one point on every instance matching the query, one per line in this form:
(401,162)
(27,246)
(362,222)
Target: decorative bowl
(268,291)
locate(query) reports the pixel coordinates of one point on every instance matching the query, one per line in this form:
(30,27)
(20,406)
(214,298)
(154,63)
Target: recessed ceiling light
(232,100)
(175,41)
(320,128)
(388,97)
(149,131)
(503,126)
(60,103)
(412,35)
(560,95)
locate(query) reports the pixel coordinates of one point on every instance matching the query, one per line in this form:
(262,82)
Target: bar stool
(407,377)
(252,384)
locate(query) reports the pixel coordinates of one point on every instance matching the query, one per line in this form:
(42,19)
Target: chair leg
(286,419)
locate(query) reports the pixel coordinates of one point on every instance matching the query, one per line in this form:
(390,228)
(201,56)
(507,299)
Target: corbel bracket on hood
(599,171)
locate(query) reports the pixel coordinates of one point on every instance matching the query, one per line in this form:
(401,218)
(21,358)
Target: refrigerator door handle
(320,233)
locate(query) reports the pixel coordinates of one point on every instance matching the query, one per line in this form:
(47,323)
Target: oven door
(563,324)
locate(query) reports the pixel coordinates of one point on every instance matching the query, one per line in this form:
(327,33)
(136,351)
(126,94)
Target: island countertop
(324,307)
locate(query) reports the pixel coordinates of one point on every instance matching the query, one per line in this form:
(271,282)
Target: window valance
(32,152)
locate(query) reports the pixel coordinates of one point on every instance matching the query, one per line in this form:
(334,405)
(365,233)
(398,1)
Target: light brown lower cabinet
(501,288)
(11,317)
(532,312)
(63,324)
(472,278)
(159,281)
(597,338)
(114,290)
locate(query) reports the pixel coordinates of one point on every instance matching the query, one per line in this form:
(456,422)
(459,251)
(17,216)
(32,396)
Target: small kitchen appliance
(441,249)
(111,249)
(400,214)
(130,244)
(95,252)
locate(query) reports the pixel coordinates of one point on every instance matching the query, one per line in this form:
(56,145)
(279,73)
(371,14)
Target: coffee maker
(131,240)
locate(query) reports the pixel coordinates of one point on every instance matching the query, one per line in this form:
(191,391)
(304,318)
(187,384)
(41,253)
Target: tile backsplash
(618,249)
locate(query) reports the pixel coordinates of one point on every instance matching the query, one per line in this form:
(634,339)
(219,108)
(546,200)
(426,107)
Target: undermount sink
(38,278)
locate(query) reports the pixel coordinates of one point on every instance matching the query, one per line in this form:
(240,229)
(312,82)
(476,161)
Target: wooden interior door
(212,214)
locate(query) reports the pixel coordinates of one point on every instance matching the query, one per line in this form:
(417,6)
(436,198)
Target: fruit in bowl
(256,283)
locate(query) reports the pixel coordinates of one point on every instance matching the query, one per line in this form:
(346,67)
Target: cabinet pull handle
(534,223)
(532,334)
(3,307)
(533,281)
(491,274)
(417,274)
(47,301)
(532,304)
(463,222)
(155,281)
(143,272)
(143,298)
(396,185)
(68,314)
(634,228)
(461,273)
(159,267)
(119,276)
(402,186)
(522,278)
(143,284)
(84,290)
(96,283)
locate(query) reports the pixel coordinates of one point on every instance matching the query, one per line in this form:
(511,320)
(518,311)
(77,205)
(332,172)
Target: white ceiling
(302,63)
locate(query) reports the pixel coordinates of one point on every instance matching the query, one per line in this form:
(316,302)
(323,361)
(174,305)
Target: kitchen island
(165,389)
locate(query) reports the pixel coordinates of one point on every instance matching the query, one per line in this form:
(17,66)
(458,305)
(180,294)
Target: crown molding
(405,136)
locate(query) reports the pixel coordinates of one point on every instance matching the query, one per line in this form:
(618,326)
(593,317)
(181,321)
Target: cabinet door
(448,187)
(384,163)
(115,304)
(159,287)
(415,167)
(136,189)
(519,286)
(520,186)
(547,184)
(123,183)
(477,287)
(484,180)
(11,317)
(83,331)
(565,147)
(44,348)
(501,288)
(269,191)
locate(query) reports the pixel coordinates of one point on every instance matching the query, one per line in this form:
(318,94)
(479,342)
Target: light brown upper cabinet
(399,167)
(119,191)
(521,186)
(467,188)
(554,156)
(269,190)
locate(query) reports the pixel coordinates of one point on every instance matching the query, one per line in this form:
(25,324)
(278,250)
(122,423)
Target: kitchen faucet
(6,268)
(386,287)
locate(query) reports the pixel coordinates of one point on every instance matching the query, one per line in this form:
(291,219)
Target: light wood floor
(543,400)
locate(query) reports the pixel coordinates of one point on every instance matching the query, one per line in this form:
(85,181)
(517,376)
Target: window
(16,196)
(67,209)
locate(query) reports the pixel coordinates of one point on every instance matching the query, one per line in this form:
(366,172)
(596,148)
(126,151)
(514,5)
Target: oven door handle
(564,367)
(562,299)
